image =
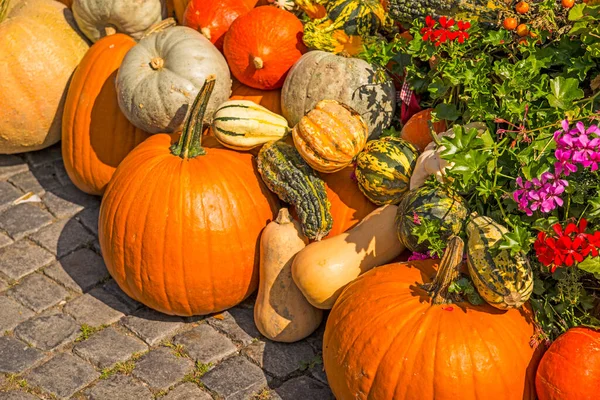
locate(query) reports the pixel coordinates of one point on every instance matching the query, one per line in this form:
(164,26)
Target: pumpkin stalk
(157,63)
(258,62)
(433,134)
(206,32)
(190,141)
(3,9)
(160,26)
(109,30)
(447,272)
(283,217)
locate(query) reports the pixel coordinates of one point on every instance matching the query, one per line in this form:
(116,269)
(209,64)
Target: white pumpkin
(161,76)
(430,163)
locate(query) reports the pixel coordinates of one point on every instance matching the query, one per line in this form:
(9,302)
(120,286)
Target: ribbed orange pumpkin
(348,205)
(96,136)
(212,18)
(270,99)
(570,369)
(385,339)
(179,227)
(330,136)
(416,130)
(261,57)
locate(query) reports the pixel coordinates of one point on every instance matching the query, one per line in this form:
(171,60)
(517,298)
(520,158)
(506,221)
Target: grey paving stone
(22,258)
(205,344)
(62,237)
(47,332)
(79,271)
(38,292)
(8,194)
(108,347)
(238,323)
(97,307)
(12,314)
(303,387)
(16,395)
(63,375)
(318,372)
(121,387)
(280,359)
(61,173)
(187,391)
(10,165)
(89,219)
(23,219)
(152,326)
(161,368)
(5,240)
(44,156)
(16,356)
(113,288)
(38,180)
(68,201)
(235,378)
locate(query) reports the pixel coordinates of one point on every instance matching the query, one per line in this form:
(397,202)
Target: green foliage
(430,230)
(86,331)
(464,286)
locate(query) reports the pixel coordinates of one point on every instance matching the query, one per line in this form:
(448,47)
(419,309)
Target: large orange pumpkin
(416,130)
(212,18)
(261,57)
(390,337)
(348,205)
(179,225)
(270,99)
(96,136)
(570,369)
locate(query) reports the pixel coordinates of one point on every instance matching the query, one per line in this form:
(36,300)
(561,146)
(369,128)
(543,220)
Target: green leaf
(447,112)
(576,12)
(590,264)
(564,92)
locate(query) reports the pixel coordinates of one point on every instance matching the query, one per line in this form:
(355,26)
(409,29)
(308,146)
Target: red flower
(446,23)
(464,25)
(594,243)
(447,32)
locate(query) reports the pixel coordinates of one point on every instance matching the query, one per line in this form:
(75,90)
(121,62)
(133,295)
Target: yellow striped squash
(502,280)
(330,136)
(244,125)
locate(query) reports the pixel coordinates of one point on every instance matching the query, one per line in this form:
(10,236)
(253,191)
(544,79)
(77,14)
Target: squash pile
(230,159)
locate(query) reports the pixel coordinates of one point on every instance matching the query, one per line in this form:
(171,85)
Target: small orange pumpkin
(416,130)
(330,136)
(179,225)
(260,57)
(96,136)
(392,335)
(270,99)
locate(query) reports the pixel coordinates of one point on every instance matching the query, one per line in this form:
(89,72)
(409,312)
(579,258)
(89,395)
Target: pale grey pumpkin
(161,75)
(97,18)
(324,76)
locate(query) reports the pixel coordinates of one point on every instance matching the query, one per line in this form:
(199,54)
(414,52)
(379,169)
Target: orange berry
(522,7)
(568,3)
(510,23)
(522,30)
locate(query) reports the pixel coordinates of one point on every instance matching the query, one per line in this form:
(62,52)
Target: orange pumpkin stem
(258,62)
(447,273)
(190,141)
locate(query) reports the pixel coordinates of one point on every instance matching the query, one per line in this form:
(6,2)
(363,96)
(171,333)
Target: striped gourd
(384,168)
(330,136)
(437,204)
(361,17)
(244,125)
(503,280)
(286,173)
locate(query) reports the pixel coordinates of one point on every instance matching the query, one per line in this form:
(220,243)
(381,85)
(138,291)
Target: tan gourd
(322,269)
(281,313)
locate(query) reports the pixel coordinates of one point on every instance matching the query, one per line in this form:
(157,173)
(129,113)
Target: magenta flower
(415,256)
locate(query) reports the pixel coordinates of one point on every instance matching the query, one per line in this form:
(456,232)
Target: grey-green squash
(319,75)
(438,205)
(244,125)
(502,280)
(286,174)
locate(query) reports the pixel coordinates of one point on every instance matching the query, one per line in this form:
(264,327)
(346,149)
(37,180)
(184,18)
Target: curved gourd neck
(190,142)
(448,272)
(3,9)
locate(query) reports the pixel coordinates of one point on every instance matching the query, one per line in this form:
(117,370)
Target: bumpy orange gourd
(179,226)
(348,205)
(416,130)
(330,136)
(261,57)
(570,369)
(270,99)
(96,136)
(385,339)
(212,18)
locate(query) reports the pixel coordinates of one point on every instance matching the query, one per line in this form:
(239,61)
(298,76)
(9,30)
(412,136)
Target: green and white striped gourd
(244,125)
(502,280)
(286,174)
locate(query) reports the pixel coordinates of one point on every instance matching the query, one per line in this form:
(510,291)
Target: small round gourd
(330,136)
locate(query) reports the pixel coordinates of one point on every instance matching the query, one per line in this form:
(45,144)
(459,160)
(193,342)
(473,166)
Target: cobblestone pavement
(68,331)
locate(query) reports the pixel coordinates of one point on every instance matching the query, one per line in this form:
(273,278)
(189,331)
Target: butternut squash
(322,269)
(281,312)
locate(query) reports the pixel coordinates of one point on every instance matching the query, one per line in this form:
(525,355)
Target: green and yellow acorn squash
(286,174)
(434,204)
(384,168)
(503,280)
